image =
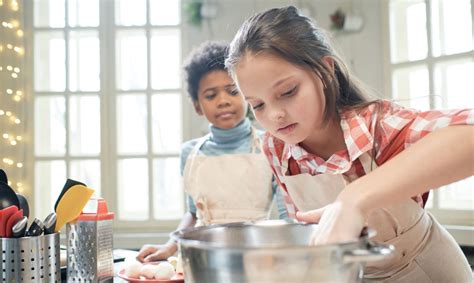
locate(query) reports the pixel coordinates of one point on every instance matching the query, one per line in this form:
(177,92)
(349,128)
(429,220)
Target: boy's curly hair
(209,56)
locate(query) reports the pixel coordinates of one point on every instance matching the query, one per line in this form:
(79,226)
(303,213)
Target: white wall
(362,50)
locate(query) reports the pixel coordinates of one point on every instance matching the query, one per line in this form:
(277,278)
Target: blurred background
(92,90)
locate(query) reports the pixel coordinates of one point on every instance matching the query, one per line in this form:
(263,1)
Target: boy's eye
(234,92)
(210,96)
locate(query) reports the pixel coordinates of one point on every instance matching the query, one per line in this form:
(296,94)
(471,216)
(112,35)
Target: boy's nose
(223,99)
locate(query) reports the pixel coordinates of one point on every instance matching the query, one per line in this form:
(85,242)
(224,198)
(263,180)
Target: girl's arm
(442,157)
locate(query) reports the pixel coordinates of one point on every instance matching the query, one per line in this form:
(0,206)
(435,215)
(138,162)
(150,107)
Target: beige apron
(419,240)
(230,187)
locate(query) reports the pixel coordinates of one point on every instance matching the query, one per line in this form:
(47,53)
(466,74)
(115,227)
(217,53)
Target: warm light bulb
(14,75)
(9,113)
(19,184)
(19,33)
(9,46)
(20,190)
(13,142)
(19,165)
(19,138)
(19,93)
(16,70)
(15,23)
(9,91)
(2,112)
(5,136)
(9,68)
(17,98)
(17,121)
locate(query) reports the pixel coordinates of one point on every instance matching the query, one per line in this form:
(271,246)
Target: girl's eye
(291,92)
(257,107)
(234,92)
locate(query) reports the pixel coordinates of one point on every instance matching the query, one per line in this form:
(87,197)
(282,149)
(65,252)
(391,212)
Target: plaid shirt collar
(357,138)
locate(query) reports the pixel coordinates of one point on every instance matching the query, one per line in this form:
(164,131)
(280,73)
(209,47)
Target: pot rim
(179,235)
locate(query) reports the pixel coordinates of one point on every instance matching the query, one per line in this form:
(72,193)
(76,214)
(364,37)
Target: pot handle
(373,252)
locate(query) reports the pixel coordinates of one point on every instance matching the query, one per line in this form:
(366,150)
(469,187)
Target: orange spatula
(71,205)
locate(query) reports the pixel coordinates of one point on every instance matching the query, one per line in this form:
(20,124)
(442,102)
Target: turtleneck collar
(222,136)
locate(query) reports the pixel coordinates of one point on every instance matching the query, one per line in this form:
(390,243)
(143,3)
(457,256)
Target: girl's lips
(287,129)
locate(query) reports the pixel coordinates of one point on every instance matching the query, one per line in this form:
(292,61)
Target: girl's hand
(338,222)
(150,253)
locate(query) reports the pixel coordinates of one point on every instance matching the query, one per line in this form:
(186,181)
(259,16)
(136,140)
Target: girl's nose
(277,114)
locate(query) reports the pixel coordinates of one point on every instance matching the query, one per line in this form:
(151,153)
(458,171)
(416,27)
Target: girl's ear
(197,107)
(329,62)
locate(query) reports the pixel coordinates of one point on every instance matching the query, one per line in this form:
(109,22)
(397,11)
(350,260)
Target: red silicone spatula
(17,216)
(6,214)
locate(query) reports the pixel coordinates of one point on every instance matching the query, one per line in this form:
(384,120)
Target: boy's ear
(197,107)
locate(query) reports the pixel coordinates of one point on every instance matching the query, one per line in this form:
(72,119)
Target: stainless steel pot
(271,251)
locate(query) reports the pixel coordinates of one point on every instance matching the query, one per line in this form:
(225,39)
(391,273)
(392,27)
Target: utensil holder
(30,259)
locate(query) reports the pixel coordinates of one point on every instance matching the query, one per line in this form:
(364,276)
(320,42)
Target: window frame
(108,93)
(460,223)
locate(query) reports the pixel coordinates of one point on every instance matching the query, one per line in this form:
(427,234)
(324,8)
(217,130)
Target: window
(107,105)
(431,66)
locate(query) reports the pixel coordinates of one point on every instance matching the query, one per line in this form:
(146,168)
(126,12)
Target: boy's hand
(150,253)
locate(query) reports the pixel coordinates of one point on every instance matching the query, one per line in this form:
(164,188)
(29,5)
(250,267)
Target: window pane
(84,61)
(50,126)
(50,61)
(130,12)
(411,87)
(131,59)
(87,172)
(459,195)
(451,26)
(132,124)
(133,189)
(408,36)
(454,83)
(84,125)
(50,177)
(83,13)
(165,12)
(49,13)
(167,189)
(165,59)
(166,113)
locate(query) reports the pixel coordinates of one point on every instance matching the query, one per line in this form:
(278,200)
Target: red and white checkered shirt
(396,128)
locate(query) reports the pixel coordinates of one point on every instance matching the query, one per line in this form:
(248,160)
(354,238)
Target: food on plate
(132,267)
(164,271)
(149,271)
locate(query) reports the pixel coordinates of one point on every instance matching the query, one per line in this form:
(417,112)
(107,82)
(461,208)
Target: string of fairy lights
(11,92)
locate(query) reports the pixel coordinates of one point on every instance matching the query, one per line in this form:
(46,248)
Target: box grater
(90,245)
(30,259)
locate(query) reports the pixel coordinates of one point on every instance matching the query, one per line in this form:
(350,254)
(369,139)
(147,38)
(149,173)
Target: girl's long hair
(284,32)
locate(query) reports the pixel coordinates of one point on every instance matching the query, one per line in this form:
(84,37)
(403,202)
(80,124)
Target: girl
(344,160)
(226,177)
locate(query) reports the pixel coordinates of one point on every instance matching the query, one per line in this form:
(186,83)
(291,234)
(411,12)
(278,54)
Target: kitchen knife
(19,228)
(36,228)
